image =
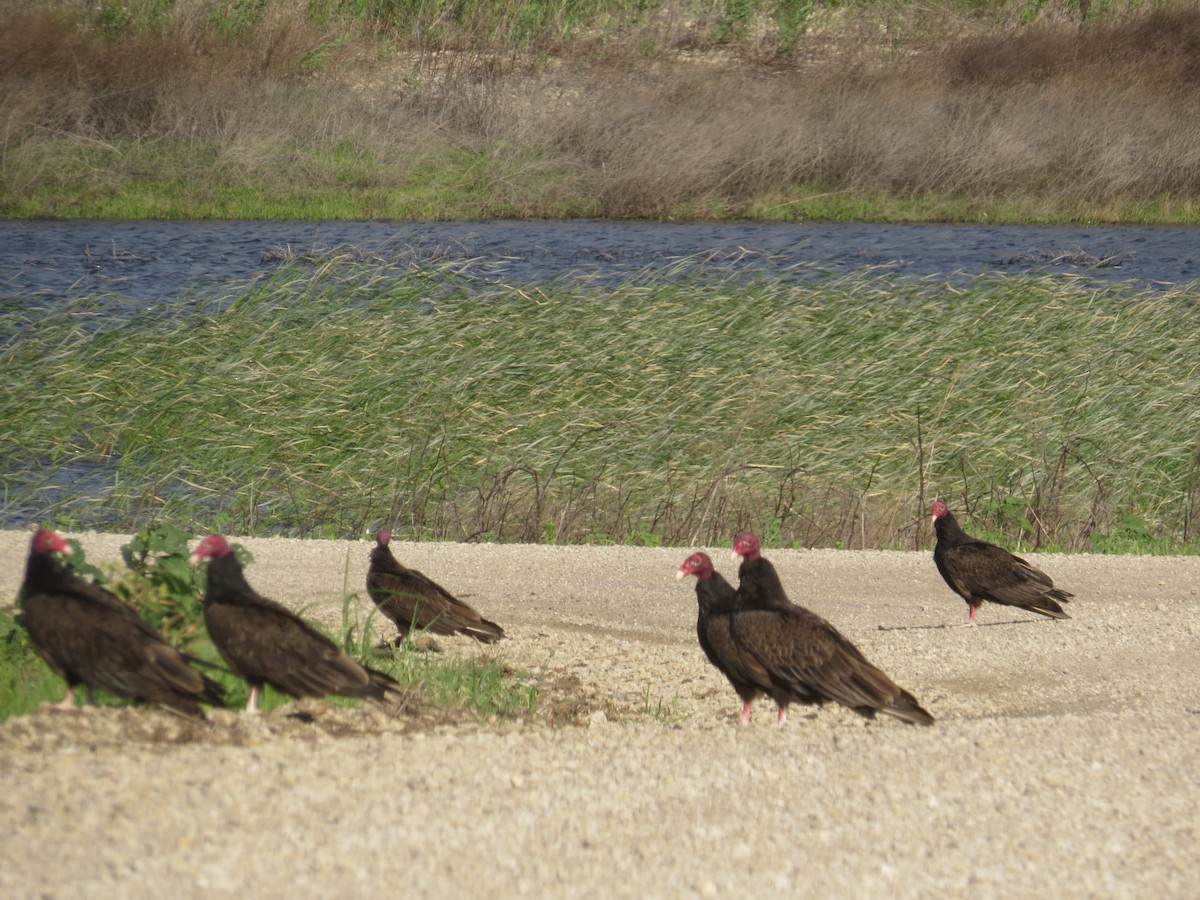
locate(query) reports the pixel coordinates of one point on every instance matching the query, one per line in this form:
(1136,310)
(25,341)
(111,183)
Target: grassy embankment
(676,108)
(337,397)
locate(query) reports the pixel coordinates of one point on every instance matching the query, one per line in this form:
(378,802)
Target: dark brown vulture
(979,571)
(416,603)
(798,657)
(759,586)
(716,598)
(265,642)
(89,637)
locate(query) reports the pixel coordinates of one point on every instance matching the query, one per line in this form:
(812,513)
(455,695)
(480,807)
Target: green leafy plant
(1131,534)
(161,583)
(77,562)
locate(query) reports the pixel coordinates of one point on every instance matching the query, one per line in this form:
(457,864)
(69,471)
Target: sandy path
(1065,760)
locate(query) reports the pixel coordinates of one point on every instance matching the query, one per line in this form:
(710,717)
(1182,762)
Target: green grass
(829,203)
(483,686)
(335,397)
(665,711)
(25,681)
(169,181)
(480,688)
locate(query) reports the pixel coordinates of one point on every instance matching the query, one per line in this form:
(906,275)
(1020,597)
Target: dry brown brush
(670,112)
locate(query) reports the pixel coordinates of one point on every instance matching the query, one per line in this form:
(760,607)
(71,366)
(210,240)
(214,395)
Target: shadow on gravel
(946,626)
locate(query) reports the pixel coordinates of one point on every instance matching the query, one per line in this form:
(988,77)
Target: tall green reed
(339,395)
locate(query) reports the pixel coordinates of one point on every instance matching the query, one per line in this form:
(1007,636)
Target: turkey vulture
(265,642)
(88,636)
(415,602)
(759,586)
(978,571)
(798,657)
(716,598)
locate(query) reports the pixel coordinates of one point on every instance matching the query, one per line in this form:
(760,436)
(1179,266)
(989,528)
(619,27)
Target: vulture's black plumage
(979,571)
(265,642)
(414,602)
(716,598)
(798,657)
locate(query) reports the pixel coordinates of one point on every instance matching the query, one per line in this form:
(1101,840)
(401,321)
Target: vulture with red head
(266,643)
(415,602)
(798,657)
(717,598)
(979,571)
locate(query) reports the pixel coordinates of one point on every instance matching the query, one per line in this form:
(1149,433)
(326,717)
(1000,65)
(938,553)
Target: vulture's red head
(939,509)
(747,547)
(48,542)
(698,564)
(211,547)
(383,537)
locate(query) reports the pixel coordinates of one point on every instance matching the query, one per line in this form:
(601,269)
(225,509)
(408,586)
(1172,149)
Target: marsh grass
(342,394)
(775,110)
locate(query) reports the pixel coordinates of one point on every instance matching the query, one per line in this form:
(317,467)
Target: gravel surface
(1065,760)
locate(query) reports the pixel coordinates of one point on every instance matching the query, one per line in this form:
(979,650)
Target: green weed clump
(342,394)
(486,687)
(25,681)
(161,583)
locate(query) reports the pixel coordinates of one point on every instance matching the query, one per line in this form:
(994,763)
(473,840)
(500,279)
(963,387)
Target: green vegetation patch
(25,681)
(165,180)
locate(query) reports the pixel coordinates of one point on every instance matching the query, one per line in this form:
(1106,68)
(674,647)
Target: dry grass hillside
(685,110)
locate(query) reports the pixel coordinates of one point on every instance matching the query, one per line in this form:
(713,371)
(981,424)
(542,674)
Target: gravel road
(1065,760)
